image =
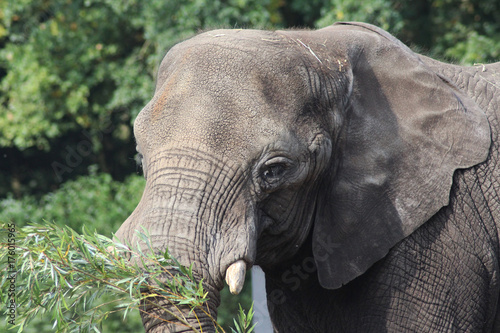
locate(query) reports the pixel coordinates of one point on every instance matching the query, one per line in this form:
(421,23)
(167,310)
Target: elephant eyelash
(138,159)
(139,164)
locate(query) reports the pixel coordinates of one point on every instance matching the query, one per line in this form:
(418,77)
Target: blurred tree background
(74,74)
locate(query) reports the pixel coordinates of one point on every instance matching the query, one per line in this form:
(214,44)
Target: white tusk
(235,276)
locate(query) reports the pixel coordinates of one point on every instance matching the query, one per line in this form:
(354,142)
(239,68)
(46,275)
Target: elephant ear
(406,131)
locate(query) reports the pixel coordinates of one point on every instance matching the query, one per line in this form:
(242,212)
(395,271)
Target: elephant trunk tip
(235,276)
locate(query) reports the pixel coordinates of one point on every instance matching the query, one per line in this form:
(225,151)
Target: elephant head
(255,141)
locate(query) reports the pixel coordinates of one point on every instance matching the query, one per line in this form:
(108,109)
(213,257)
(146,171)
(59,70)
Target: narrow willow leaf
(64,271)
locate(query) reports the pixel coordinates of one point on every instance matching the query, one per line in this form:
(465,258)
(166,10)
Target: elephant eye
(273,173)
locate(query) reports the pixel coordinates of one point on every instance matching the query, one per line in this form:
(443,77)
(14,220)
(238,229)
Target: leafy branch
(244,323)
(63,273)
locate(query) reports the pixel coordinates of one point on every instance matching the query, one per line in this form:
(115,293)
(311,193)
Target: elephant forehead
(221,97)
(226,58)
(224,123)
(231,48)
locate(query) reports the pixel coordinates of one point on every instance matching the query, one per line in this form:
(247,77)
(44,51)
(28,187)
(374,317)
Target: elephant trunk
(161,315)
(194,214)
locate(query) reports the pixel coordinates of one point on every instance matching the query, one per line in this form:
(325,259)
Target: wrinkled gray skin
(362,177)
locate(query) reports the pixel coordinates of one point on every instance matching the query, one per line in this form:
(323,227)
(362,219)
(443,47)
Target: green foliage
(467,31)
(62,62)
(244,323)
(472,47)
(62,273)
(378,12)
(96,202)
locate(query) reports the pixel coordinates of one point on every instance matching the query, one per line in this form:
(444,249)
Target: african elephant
(363,178)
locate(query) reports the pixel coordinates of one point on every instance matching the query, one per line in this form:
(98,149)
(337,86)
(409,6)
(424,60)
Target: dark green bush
(96,202)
